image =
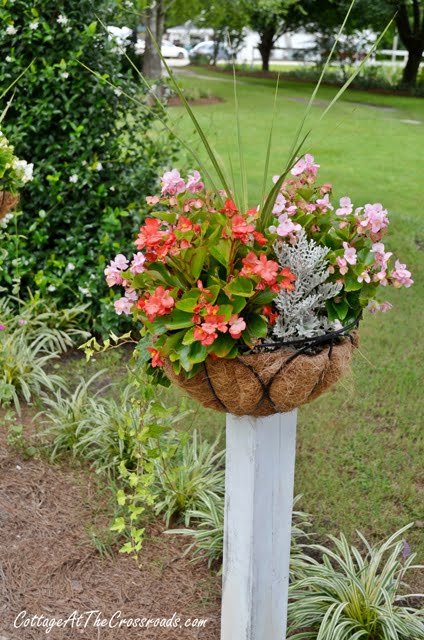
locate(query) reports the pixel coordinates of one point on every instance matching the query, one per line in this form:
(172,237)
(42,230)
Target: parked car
(168,50)
(207,49)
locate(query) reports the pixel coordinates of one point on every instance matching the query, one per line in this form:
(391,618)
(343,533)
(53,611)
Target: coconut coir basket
(264,383)
(7,202)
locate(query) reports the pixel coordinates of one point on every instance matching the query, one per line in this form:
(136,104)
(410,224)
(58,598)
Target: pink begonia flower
(286,226)
(373,306)
(123,305)
(385,306)
(364,277)
(131,295)
(375,218)
(324,204)
(381,278)
(310,207)
(342,264)
(349,254)
(152,200)
(279,204)
(381,257)
(3,327)
(237,325)
(137,264)
(305,164)
(291,210)
(172,183)
(22,322)
(113,276)
(326,188)
(120,262)
(401,276)
(194,182)
(346,207)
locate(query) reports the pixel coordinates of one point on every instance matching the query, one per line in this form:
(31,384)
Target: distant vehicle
(207,49)
(168,50)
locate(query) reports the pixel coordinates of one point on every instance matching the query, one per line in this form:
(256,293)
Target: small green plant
(352,595)
(189,472)
(64,414)
(23,367)
(207,531)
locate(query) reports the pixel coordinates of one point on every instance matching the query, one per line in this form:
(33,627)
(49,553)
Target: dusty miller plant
(302,314)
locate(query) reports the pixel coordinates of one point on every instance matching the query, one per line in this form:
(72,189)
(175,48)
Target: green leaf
(120,497)
(240,286)
(257,326)
(118,525)
(198,352)
(341,309)
(198,260)
(188,302)
(173,341)
(221,251)
(351,282)
(222,345)
(179,320)
(164,215)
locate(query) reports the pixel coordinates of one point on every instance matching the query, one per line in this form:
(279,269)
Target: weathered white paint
(258,511)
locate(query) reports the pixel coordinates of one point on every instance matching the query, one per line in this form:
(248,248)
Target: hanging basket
(264,383)
(7,202)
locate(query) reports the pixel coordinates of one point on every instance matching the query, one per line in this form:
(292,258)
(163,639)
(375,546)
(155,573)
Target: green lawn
(360,447)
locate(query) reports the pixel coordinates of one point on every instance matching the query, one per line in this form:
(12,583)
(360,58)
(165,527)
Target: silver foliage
(302,312)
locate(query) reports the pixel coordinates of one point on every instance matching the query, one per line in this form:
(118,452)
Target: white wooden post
(258,512)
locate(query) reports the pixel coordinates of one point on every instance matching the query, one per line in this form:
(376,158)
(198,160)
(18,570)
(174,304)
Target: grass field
(360,447)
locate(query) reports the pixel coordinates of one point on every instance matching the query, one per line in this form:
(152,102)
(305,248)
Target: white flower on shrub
(70,266)
(302,313)
(65,74)
(99,166)
(62,19)
(11,30)
(24,170)
(33,25)
(73,178)
(51,288)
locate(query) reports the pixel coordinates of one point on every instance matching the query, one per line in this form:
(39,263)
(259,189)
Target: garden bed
(49,565)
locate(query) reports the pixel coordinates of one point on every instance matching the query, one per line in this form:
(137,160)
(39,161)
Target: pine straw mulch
(49,566)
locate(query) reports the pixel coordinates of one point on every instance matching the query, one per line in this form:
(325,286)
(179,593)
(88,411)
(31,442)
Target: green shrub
(352,595)
(96,154)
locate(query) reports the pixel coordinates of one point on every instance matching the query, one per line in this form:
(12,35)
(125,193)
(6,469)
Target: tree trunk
(410,72)
(266,46)
(411,33)
(154,21)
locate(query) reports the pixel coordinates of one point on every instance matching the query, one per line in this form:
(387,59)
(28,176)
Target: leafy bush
(95,152)
(350,595)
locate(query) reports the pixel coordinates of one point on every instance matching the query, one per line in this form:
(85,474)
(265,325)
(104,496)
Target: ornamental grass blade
(212,156)
(16,80)
(239,139)
(140,103)
(357,70)
(268,150)
(320,79)
(199,162)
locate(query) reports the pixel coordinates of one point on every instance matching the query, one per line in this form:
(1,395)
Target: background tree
(228,19)
(271,19)
(95,154)
(408,18)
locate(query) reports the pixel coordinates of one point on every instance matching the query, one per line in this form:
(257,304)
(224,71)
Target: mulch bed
(49,566)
